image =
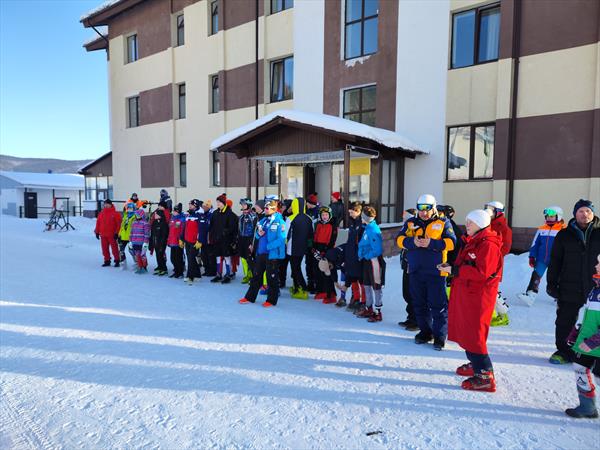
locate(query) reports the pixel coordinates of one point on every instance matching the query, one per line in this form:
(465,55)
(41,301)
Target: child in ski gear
(124,230)
(190,240)
(352,266)
(500,226)
(175,227)
(270,249)
(427,238)
(159,234)
(139,238)
(299,238)
(312,211)
(473,297)
(370,253)
(246,226)
(410,323)
(324,239)
(539,254)
(222,236)
(585,341)
(570,272)
(136,201)
(107,231)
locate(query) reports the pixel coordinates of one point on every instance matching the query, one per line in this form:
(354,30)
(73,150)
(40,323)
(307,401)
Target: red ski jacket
(474,289)
(500,226)
(108,222)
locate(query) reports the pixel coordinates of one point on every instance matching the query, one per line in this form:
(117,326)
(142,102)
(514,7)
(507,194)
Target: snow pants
(536,277)
(193,270)
(430,303)
(139,255)
(480,363)
(271,267)
(122,247)
(111,242)
(584,366)
(177,260)
(566,318)
(297,276)
(209,260)
(373,281)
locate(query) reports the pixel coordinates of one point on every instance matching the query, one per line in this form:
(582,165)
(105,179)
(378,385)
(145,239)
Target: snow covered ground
(97,357)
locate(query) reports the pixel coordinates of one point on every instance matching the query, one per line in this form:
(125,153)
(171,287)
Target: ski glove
(197,245)
(531,262)
(97,236)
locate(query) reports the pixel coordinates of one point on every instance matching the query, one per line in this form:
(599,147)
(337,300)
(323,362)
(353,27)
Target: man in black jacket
(570,272)
(299,240)
(222,236)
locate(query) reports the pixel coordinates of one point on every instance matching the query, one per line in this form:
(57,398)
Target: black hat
(178,207)
(197,203)
(581,203)
(108,200)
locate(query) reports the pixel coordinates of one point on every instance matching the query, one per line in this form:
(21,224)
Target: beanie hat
(229,202)
(130,205)
(222,198)
(178,208)
(337,196)
(581,203)
(207,203)
(312,199)
(140,214)
(480,218)
(109,201)
(196,203)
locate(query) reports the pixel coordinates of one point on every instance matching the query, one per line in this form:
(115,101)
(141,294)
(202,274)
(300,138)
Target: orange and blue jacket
(543,240)
(425,260)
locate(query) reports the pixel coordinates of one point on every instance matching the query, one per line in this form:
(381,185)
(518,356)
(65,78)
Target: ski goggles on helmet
(424,207)
(550,212)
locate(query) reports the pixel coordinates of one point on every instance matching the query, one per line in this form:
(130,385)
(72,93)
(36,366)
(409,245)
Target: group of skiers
(450,279)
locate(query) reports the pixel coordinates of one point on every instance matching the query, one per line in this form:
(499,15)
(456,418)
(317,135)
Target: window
(359,105)
(180,30)
(280,5)
(389,189)
(360,30)
(214,17)
(133,112)
(181,100)
(216,169)
(214,93)
(90,188)
(470,152)
(132,48)
(475,36)
(282,79)
(182,170)
(273,173)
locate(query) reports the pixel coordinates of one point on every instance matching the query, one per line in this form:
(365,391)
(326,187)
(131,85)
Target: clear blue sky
(53,94)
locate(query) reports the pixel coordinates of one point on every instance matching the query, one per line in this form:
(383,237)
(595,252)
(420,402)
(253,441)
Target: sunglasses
(550,212)
(424,207)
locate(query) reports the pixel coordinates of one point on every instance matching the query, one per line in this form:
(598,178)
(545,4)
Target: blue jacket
(246,225)
(203,227)
(371,243)
(274,226)
(542,242)
(352,264)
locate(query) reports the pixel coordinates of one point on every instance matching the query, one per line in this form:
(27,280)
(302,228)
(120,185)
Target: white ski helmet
(495,206)
(427,199)
(554,211)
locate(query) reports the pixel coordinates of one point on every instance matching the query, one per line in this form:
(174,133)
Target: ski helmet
(426,202)
(495,206)
(247,202)
(554,211)
(325,209)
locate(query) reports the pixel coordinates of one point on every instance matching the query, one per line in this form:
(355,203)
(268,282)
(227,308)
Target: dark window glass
(214,17)
(281,5)
(182,170)
(273,178)
(463,39)
(133,112)
(359,105)
(216,169)
(214,93)
(181,93)
(360,28)
(483,158)
(282,79)
(180,30)
(489,35)
(470,152)
(132,48)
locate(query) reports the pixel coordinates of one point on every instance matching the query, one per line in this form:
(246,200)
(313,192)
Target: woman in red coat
(107,230)
(473,297)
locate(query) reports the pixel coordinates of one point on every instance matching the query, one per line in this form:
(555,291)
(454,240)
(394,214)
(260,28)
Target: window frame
(472,127)
(476,30)
(215,164)
(360,111)
(182,164)
(362,21)
(214,106)
(137,112)
(393,163)
(181,97)
(136,49)
(180,38)
(213,7)
(285,5)
(281,61)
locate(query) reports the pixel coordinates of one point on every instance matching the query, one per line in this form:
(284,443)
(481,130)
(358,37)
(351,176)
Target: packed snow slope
(96,357)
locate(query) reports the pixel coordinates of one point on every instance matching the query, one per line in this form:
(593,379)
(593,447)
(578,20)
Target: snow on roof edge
(98,9)
(57,180)
(388,138)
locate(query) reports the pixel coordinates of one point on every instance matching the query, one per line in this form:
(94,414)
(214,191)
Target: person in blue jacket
(539,253)
(207,254)
(370,253)
(270,250)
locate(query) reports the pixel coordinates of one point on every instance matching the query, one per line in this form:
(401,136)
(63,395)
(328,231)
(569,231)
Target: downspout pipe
(516,50)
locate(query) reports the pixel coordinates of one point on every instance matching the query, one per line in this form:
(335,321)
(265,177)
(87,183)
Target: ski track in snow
(95,357)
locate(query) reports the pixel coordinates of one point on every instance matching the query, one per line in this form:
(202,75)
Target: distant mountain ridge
(40,165)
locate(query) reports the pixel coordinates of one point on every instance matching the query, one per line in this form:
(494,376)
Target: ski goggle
(424,207)
(550,212)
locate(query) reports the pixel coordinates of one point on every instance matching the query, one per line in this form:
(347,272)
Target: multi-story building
(504,96)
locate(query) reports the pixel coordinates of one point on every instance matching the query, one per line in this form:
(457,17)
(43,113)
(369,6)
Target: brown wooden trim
(233,13)
(236,86)
(156,105)
(156,171)
(101,162)
(97,44)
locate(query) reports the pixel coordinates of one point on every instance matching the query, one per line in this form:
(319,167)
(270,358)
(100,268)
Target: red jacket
(474,289)
(108,222)
(500,226)
(175,227)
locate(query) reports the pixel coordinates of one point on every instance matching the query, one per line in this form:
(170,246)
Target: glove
(531,262)
(181,243)
(97,236)
(552,291)
(198,245)
(144,247)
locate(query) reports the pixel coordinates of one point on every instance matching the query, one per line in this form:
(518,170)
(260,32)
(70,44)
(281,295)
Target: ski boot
(501,320)
(376,317)
(423,338)
(439,344)
(366,313)
(330,298)
(466,370)
(341,302)
(528,297)
(483,382)
(106,263)
(217,279)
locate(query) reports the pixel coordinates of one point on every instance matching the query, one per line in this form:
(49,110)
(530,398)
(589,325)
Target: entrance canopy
(291,136)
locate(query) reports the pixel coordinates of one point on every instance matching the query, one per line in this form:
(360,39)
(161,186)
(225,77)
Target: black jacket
(572,261)
(355,232)
(337,210)
(458,245)
(223,231)
(159,233)
(301,231)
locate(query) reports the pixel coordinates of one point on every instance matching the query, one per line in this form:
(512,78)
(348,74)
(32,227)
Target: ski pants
(161,258)
(584,366)
(139,255)
(193,270)
(430,303)
(209,260)
(271,267)
(122,247)
(111,242)
(566,318)
(177,260)
(283,265)
(480,363)
(297,276)
(373,280)
(536,277)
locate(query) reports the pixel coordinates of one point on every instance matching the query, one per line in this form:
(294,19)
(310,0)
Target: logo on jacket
(472,255)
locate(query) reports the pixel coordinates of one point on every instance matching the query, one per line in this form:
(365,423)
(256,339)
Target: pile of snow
(107,4)
(97,357)
(46,180)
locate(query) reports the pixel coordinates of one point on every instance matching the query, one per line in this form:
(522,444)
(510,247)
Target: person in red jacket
(323,240)
(500,226)
(476,275)
(107,231)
